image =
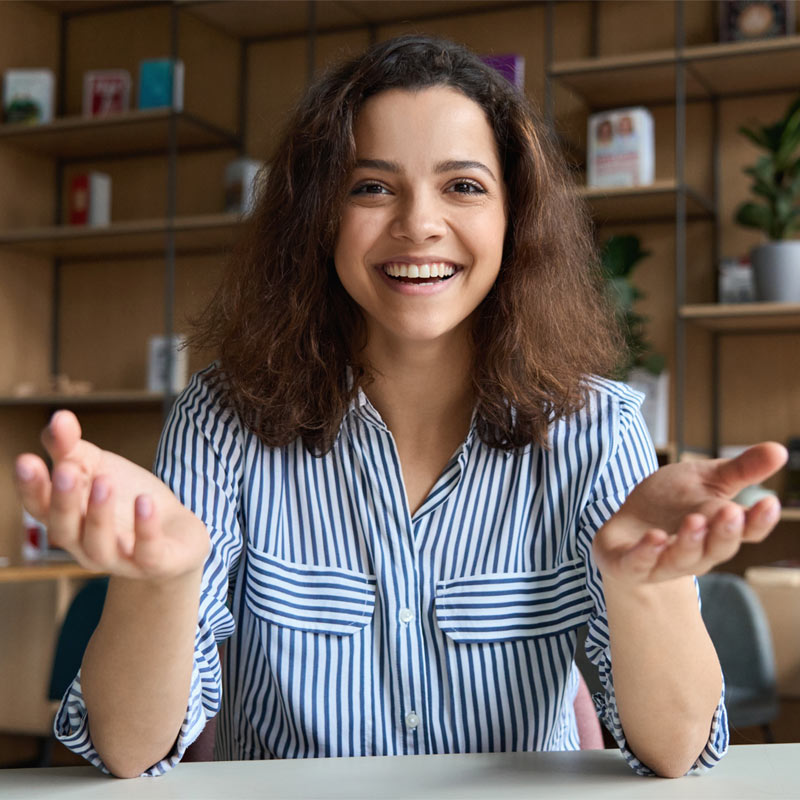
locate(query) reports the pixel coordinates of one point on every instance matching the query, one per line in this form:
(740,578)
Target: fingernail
(24,472)
(99,492)
(698,533)
(771,513)
(144,507)
(63,481)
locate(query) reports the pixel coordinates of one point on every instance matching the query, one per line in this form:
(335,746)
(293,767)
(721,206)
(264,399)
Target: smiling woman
(406,483)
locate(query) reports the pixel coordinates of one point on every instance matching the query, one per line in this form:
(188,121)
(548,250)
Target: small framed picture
(747,20)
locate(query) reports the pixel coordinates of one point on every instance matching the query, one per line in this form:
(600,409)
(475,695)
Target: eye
(369,188)
(464,186)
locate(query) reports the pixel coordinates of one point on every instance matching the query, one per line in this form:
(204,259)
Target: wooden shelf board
(653,202)
(129,398)
(43,571)
(740,67)
(278,18)
(743,316)
(192,234)
(790,515)
(131,132)
(625,80)
(715,69)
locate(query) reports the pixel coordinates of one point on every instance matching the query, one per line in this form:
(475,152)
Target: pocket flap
(499,607)
(308,598)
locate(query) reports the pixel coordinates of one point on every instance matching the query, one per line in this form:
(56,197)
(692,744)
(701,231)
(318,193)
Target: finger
(33,485)
(687,549)
(98,541)
(761,518)
(639,561)
(65,518)
(752,466)
(61,435)
(725,532)
(148,548)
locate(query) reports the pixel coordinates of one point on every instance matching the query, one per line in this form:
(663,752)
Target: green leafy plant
(619,257)
(776,177)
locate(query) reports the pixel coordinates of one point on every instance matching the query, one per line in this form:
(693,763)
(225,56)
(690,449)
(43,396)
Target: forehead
(440,121)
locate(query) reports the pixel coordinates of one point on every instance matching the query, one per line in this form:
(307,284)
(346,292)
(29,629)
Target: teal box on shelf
(161,83)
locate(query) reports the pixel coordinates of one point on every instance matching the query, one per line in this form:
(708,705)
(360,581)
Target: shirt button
(412,720)
(406,615)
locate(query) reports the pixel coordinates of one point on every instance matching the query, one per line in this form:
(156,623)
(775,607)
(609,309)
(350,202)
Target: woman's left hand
(681,520)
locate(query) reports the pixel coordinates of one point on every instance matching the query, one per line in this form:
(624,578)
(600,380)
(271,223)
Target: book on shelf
(747,20)
(511,66)
(241,185)
(621,148)
(90,199)
(28,95)
(158,377)
(161,83)
(106,91)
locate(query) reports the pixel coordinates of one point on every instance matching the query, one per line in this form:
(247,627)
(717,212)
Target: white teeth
(436,269)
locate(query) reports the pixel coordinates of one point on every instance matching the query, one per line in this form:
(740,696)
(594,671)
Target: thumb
(61,434)
(752,466)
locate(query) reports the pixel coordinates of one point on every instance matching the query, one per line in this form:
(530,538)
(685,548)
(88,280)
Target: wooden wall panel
(632,26)
(761,388)
(511,31)
(277,75)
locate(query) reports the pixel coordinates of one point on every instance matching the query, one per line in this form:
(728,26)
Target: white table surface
(749,772)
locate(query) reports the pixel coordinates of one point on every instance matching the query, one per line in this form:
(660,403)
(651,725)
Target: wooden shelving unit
(654,202)
(203,233)
(129,133)
(91,400)
(743,317)
(711,70)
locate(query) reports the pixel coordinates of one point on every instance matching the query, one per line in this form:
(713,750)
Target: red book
(106,91)
(90,199)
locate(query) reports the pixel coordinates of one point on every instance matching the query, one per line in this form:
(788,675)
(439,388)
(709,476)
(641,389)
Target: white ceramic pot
(776,269)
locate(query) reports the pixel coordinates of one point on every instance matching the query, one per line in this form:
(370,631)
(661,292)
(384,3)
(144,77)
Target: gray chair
(739,629)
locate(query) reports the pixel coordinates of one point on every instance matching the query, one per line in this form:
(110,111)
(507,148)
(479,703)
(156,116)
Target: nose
(419,218)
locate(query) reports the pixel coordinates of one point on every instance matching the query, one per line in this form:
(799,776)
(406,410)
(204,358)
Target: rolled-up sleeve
(631,459)
(200,457)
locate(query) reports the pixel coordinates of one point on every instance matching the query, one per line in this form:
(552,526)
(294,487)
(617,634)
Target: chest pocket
(308,598)
(502,607)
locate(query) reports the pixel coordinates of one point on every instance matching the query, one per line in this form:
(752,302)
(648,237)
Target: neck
(424,392)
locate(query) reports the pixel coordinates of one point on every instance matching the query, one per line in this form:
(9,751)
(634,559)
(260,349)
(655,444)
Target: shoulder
(608,399)
(204,405)
(610,419)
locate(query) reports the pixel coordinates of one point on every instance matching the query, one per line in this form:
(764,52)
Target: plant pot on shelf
(776,270)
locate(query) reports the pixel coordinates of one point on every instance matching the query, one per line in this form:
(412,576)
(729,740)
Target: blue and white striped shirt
(357,628)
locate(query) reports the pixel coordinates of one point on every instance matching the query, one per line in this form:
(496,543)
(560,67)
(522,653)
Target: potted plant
(643,368)
(776,184)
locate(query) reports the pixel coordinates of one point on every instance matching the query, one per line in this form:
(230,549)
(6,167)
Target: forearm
(667,678)
(136,672)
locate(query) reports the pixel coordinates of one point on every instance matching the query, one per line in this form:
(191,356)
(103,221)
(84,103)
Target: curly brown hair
(289,336)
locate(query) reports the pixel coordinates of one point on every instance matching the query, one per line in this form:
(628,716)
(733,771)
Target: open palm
(681,520)
(109,513)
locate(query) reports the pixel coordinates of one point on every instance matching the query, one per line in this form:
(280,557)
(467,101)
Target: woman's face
(422,229)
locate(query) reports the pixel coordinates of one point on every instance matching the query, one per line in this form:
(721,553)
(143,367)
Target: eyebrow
(442,166)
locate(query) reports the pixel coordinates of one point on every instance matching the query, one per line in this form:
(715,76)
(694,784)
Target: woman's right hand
(108,513)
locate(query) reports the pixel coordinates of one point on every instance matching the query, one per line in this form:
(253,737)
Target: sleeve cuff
(715,749)
(71,727)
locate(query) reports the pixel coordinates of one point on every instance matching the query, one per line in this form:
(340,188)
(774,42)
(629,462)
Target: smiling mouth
(434,272)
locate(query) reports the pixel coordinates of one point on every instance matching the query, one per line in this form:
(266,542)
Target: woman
(403,468)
